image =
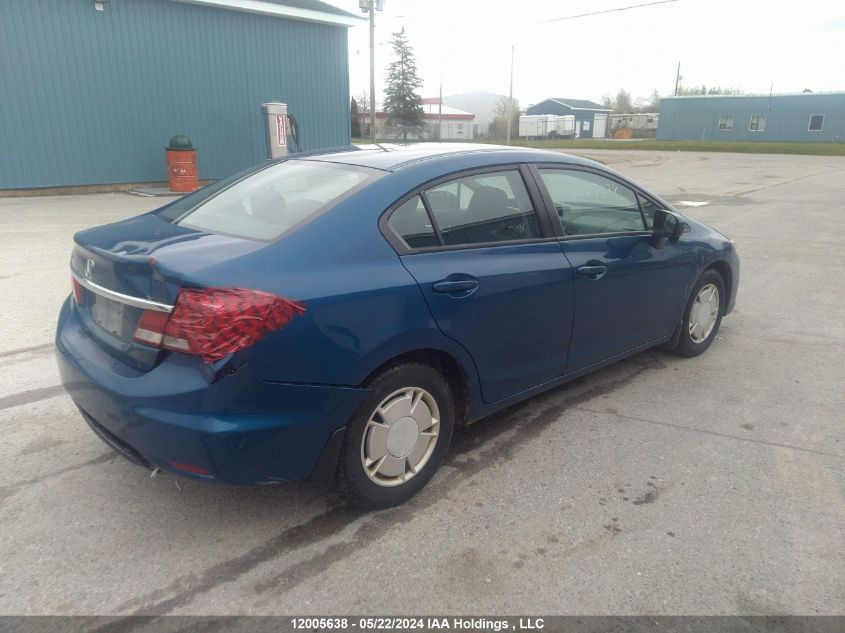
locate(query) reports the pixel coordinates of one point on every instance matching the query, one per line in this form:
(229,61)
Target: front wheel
(703,315)
(399,436)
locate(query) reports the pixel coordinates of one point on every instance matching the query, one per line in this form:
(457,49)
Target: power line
(585,15)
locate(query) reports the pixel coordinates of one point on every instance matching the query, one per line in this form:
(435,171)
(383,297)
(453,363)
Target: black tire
(686,346)
(354,481)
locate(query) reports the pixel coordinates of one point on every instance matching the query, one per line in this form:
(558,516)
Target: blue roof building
(590,117)
(92,90)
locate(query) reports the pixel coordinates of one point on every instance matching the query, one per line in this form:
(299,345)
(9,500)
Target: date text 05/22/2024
(419,624)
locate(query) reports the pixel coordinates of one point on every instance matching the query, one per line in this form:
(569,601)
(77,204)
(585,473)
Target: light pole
(440,113)
(371,6)
(510,100)
(678,79)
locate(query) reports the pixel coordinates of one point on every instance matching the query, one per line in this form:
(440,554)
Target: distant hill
(481,104)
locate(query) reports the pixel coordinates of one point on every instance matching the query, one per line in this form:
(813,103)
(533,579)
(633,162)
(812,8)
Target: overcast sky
(745,44)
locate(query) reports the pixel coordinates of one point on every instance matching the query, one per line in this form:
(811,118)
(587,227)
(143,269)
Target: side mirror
(666,226)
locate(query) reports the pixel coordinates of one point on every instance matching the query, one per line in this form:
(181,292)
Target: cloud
(834,24)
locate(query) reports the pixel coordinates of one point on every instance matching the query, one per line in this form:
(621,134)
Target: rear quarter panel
(362,307)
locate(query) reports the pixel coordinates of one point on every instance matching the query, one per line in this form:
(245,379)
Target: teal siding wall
(787,118)
(90,97)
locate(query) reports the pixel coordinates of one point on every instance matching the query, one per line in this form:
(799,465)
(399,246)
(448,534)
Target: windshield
(268,202)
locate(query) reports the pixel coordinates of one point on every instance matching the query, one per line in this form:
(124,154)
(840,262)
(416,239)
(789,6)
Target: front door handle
(460,286)
(592,272)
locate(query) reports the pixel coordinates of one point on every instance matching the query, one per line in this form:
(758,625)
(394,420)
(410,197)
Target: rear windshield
(263,204)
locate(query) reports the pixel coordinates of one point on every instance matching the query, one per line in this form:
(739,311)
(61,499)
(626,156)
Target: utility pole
(677,78)
(510,100)
(440,112)
(371,6)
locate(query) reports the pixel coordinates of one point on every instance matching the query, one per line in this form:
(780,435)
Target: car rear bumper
(237,429)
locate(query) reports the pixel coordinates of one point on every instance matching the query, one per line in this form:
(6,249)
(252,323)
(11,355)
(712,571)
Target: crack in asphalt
(778,184)
(30,396)
(511,427)
(24,350)
(11,489)
(716,433)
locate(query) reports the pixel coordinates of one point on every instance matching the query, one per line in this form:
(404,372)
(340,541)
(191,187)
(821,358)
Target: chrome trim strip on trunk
(137,302)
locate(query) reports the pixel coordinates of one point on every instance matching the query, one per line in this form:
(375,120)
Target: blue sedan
(338,315)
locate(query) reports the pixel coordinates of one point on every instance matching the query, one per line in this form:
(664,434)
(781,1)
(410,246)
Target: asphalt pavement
(660,485)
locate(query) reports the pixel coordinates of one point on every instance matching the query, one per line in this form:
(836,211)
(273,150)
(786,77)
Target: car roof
(394,157)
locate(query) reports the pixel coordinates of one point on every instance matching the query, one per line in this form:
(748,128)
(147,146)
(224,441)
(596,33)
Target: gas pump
(279,125)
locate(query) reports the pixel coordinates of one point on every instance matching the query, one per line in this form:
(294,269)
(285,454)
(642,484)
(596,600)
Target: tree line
(622,103)
(403,104)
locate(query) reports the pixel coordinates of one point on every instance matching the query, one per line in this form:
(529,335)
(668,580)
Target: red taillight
(215,322)
(78,292)
(150,328)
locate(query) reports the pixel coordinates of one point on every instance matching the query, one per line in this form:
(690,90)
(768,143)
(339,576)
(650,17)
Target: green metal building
(92,90)
(802,118)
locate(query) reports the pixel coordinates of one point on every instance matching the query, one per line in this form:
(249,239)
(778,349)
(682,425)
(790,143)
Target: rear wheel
(703,315)
(399,436)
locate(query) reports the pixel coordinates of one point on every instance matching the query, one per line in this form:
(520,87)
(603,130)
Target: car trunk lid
(117,280)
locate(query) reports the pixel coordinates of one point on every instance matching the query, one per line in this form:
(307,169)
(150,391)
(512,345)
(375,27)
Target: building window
(816,123)
(758,123)
(726,123)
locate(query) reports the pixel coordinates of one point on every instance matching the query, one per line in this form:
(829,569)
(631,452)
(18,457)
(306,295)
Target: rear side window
(268,202)
(489,207)
(587,204)
(411,222)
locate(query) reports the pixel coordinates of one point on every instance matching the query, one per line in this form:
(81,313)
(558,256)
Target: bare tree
(363,101)
(500,117)
(622,104)
(354,119)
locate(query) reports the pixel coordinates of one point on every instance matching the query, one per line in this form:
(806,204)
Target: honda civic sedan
(336,316)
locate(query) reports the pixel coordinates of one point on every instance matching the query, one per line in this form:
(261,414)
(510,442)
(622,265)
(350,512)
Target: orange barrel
(182,173)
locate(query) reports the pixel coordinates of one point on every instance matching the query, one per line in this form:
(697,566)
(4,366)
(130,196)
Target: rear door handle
(460,286)
(592,272)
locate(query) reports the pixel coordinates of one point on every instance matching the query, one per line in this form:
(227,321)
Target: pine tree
(402,103)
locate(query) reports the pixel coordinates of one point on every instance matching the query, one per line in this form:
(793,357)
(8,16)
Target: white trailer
(637,121)
(546,126)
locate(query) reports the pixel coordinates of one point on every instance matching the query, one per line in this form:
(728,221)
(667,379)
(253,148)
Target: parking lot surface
(660,485)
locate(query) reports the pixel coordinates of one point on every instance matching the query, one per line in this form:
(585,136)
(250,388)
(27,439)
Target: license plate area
(117,319)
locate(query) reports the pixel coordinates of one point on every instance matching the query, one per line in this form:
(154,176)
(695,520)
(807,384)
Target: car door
(492,273)
(629,289)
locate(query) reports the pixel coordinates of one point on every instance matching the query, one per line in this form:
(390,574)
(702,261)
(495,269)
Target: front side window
(758,124)
(587,204)
(726,123)
(488,207)
(648,208)
(268,202)
(816,123)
